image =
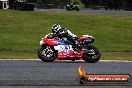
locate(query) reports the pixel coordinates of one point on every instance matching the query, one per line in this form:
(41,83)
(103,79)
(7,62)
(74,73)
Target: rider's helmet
(55,28)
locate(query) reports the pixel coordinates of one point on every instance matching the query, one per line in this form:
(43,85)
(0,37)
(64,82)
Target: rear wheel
(92,54)
(73,59)
(46,53)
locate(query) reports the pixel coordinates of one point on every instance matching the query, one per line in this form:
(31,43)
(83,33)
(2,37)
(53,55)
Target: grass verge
(21,31)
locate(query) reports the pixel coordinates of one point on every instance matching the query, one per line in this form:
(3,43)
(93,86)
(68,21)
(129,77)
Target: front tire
(46,53)
(91,55)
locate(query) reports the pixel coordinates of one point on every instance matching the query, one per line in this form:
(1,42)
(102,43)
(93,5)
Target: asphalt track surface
(59,74)
(89,11)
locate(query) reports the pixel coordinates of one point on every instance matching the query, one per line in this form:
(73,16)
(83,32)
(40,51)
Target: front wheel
(91,54)
(46,53)
(68,8)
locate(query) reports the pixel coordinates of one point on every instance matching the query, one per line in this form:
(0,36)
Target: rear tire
(46,53)
(73,59)
(91,57)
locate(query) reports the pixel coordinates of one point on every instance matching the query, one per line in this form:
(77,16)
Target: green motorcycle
(71,7)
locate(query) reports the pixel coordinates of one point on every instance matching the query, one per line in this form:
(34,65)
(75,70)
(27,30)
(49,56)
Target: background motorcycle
(70,7)
(52,48)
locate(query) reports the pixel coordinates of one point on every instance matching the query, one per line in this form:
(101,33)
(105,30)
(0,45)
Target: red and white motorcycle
(54,48)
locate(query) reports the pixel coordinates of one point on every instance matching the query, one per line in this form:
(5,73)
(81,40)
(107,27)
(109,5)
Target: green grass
(21,31)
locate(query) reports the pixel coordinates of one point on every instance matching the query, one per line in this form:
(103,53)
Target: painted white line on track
(22,59)
(115,61)
(66,60)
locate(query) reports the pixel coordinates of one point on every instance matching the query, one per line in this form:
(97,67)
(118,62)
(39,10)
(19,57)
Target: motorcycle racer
(61,33)
(54,46)
(73,4)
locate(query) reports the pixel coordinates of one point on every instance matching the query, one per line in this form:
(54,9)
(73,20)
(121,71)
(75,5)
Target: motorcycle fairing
(65,50)
(51,41)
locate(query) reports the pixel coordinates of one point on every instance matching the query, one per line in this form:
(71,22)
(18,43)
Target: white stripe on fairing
(70,60)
